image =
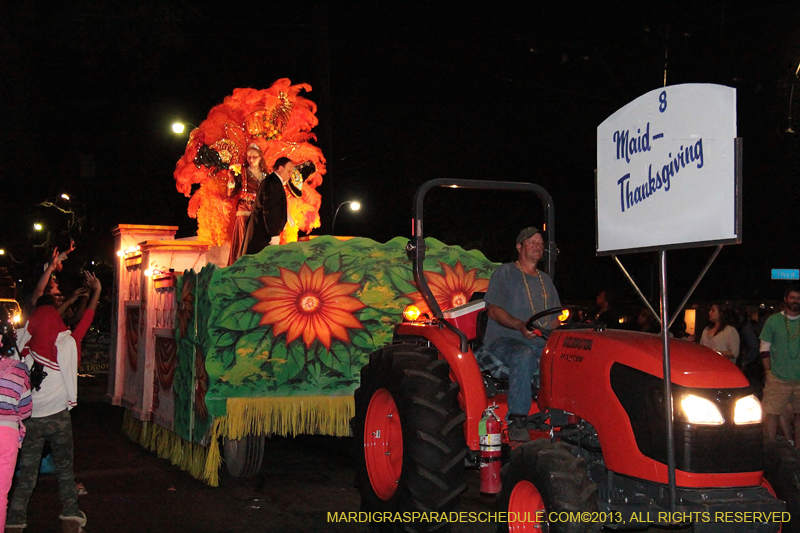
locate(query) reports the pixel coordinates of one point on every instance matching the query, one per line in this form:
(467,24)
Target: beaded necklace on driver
(528,290)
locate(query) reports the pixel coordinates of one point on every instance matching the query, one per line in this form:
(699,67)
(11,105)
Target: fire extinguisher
(491,451)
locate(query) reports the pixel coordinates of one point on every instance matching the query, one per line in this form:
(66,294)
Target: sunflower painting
(309,303)
(452,288)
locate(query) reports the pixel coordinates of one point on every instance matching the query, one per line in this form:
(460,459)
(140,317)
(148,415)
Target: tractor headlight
(701,411)
(747,410)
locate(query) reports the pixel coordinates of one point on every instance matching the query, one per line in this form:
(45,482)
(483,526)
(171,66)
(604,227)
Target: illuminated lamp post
(791,96)
(38,227)
(354,206)
(6,258)
(180,127)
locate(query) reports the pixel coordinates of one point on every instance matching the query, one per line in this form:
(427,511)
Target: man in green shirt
(780,355)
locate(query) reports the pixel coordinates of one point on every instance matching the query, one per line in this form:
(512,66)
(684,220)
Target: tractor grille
(701,449)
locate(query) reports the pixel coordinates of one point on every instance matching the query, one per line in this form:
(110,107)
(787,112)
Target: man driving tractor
(516,292)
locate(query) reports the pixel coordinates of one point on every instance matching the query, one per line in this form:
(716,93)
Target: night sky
(406,92)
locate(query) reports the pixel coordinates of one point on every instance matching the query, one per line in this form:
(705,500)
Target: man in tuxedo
(268,216)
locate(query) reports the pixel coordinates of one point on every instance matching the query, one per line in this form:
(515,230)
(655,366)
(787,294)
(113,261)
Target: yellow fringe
(131,427)
(213,459)
(188,456)
(287,415)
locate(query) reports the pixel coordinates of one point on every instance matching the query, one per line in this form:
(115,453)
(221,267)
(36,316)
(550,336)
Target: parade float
(209,359)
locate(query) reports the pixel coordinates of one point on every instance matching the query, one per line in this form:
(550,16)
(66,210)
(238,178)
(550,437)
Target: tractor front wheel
(541,481)
(781,475)
(409,436)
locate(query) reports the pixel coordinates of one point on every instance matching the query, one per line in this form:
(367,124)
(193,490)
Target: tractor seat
(494,371)
(490,365)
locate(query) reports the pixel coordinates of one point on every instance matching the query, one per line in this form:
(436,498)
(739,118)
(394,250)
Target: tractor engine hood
(692,365)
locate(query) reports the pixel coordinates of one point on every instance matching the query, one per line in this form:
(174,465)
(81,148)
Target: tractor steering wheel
(530,324)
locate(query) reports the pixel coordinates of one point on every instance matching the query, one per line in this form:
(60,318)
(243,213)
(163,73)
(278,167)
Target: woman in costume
(245,184)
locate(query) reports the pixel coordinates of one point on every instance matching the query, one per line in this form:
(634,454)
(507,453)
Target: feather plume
(279,120)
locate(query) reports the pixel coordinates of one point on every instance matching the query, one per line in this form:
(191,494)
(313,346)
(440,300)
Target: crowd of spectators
(35,403)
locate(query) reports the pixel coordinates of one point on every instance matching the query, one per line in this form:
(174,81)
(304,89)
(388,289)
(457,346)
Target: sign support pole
(673,495)
(639,206)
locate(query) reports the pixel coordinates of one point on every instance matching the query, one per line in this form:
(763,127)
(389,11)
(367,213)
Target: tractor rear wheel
(782,478)
(544,478)
(409,436)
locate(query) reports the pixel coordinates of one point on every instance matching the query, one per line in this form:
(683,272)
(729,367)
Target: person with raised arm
(46,340)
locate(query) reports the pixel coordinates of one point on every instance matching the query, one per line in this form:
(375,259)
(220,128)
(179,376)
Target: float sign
(667,173)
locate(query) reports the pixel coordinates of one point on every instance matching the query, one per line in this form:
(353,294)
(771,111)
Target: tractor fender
(464,370)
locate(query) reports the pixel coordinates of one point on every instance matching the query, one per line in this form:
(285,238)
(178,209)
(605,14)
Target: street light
(791,95)
(38,227)
(180,127)
(354,206)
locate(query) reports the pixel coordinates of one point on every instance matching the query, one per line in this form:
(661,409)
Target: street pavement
(131,490)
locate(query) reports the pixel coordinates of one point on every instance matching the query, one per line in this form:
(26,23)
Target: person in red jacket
(49,342)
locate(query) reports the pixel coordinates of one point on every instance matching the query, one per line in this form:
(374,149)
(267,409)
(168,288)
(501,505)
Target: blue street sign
(785,273)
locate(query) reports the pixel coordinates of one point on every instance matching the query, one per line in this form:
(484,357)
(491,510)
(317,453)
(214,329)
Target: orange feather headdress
(279,121)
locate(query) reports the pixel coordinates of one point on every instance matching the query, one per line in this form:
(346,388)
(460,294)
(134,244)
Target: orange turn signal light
(564,316)
(411,313)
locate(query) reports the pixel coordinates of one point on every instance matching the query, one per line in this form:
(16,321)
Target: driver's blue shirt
(507,290)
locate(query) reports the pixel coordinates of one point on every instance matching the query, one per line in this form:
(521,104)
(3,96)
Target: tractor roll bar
(416,247)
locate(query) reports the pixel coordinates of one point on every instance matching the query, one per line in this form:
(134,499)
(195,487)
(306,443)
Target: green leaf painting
(301,319)
(182,386)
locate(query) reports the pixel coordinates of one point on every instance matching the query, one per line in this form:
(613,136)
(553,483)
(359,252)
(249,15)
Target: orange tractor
(598,455)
